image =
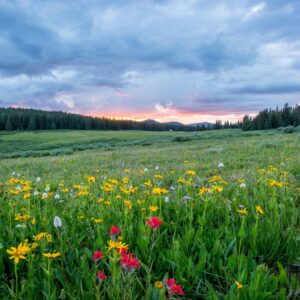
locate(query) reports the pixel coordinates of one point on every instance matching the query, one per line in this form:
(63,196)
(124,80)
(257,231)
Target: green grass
(204,242)
(64,142)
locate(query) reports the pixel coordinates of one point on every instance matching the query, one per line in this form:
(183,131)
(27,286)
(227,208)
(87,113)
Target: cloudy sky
(182,60)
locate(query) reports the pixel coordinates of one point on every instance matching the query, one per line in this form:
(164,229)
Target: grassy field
(43,143)
(227,204)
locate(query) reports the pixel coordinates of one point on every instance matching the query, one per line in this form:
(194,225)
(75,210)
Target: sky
(177,60)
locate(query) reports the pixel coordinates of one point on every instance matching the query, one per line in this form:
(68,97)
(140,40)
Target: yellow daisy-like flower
(116,245)
(128,204)
(26,196)
(243,211)
(218,188)
(158,284)
(148,184)
(52,255)
(159,191)
(181,180)
(204,190)
(43,235)
(259,209)
(19,252)
(153,208)
(191,172)
(91,179)
(98,221)
(239,285)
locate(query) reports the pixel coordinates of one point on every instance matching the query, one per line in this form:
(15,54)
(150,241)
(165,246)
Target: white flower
(242,185)
(157,167)
(44,195)
(167,199)
(57,222)
(146,170)
(35,193)
(38,179)
(18,174)
(57,197)
(47,189)
(18,188)
(220,165)
(13,173)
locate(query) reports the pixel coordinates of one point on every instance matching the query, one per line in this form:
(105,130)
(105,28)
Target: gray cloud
(198,55)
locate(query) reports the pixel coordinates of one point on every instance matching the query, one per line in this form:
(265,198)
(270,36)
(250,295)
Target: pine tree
(31,124)
(8,125)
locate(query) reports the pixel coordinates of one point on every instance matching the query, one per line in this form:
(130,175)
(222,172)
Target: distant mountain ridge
(174,123)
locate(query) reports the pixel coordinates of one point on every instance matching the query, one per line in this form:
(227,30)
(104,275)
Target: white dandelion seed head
(44,195)
(220,165)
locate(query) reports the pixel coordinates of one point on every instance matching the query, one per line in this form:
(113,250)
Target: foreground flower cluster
(131,233)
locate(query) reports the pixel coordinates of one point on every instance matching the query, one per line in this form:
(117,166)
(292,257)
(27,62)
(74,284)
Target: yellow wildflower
(158,284)
(259,209)
(19,252)
(128,204)
(153,208)
(42,236)
(52,255)
(91,179)
(116,245)
(98,221)
(181,180)
(159,191)
(243,211)
(191,172)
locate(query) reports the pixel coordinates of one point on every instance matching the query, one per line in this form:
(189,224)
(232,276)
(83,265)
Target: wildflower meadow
(212,218)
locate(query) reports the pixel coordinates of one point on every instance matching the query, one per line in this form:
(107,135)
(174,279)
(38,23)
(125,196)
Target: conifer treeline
(269,118)
(31,119)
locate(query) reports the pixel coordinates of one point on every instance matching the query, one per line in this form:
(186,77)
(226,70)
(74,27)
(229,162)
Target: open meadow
(150,215)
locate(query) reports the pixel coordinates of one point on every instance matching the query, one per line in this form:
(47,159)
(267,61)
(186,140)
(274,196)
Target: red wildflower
(154,222)
(97,256)
(173,288)
(101,276)
(170,282)
(129,262)
(176,289)
(114,230)
(122,251)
